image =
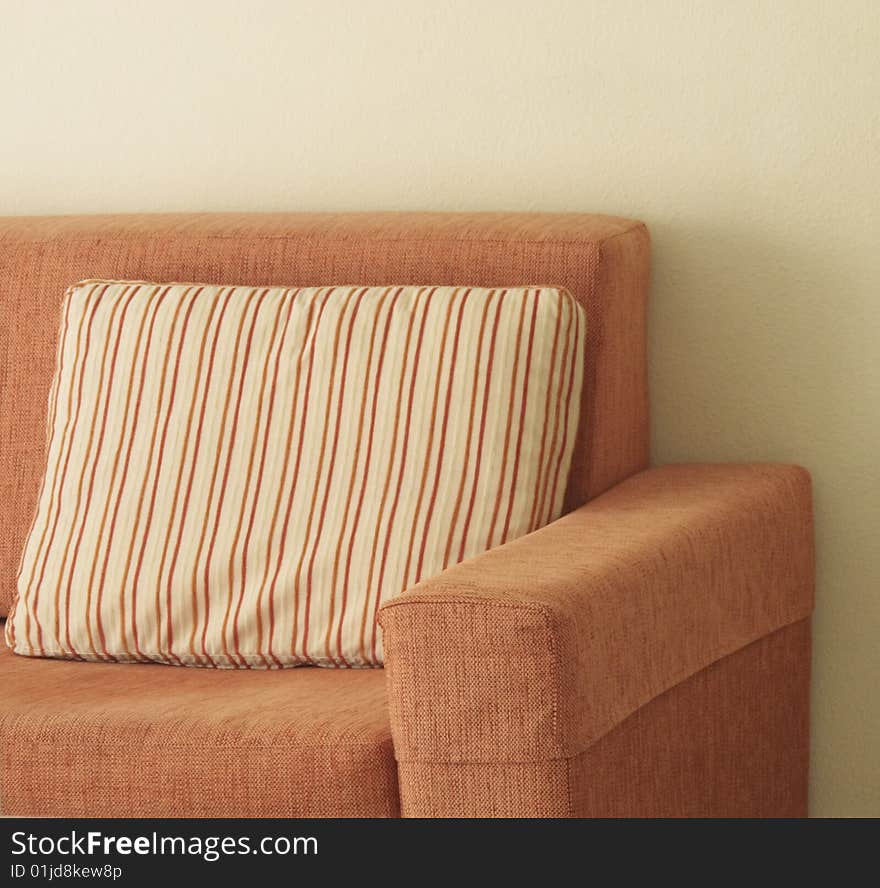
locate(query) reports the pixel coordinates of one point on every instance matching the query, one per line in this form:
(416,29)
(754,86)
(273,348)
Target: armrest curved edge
(536,649)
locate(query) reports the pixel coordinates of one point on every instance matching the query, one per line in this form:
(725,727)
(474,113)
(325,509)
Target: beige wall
(745,134)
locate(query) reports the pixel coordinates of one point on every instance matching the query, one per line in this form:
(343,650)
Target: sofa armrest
(533,651)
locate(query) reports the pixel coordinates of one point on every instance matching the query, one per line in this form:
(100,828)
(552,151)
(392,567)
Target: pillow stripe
(480,376)
(172,522)
(331,463)
(50,433)
(524,401)
(60,471)
(240,476)
(355,467)
(505,449)
(94,561)
(157,414)
(429,460)
(163,441)
(311,339)
(574,357)
(127,295)
(556,386)
(392,464)
(547,402)
(260,424)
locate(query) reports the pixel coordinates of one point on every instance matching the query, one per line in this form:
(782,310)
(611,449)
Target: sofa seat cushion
(104,740)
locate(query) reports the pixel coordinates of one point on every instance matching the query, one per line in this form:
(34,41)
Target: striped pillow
(238,476)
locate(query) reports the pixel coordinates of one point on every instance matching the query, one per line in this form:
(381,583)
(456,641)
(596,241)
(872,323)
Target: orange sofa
(648,654)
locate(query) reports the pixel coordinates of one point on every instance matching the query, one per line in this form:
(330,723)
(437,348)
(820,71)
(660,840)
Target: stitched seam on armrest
(440,597)
(546,615)
(580,749)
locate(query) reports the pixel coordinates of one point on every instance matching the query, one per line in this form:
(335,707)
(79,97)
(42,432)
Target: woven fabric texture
(730,741)
(602,261)
(238,477)
(100,740)
(535,650)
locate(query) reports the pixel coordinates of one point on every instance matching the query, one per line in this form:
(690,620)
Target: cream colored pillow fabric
(239,476)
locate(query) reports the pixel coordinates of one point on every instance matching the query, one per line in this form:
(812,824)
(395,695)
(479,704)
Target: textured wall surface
(744,134)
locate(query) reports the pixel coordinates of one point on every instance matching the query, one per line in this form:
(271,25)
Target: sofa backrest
(602,260)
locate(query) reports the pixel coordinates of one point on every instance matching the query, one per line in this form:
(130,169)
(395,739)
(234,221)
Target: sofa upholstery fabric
(729,741)
(592,617)
(105,740)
